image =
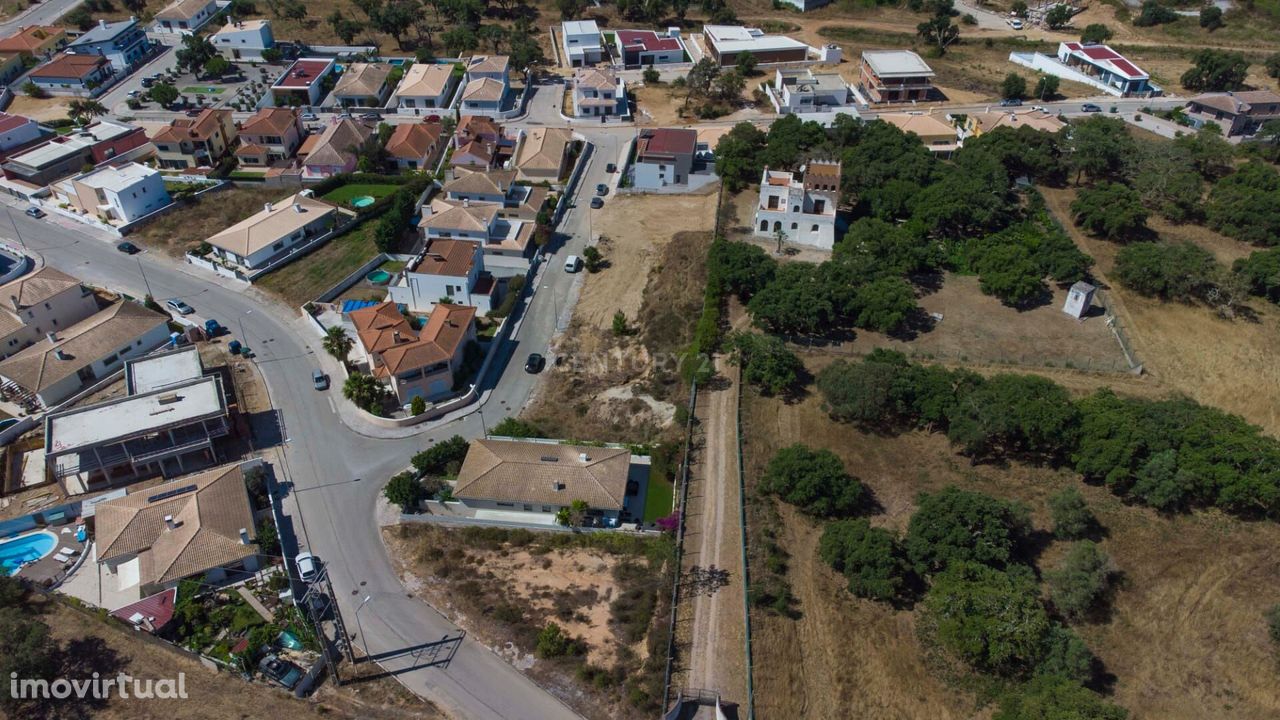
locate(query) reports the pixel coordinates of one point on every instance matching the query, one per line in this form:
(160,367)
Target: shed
(1079,299)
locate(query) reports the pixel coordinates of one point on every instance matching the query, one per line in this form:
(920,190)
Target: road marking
(332,408)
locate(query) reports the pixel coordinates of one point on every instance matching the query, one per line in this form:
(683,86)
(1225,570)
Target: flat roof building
(895,76)
(726,42)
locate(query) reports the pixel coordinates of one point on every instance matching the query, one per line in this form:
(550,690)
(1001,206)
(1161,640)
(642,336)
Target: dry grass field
(1185,640)
(180,230)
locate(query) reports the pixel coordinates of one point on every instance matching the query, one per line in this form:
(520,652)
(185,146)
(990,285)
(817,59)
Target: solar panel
(171,493)
(550,458)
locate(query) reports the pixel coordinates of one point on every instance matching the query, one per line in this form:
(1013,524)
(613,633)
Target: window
(794,226)
(46,306)
(814,228)
(110,359)
(505,504)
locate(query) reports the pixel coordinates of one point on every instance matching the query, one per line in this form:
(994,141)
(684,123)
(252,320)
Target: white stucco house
(802,206)
(118,194)
(244,40)
(580,41)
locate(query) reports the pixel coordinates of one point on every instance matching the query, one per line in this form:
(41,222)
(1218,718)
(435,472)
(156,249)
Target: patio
(64,560)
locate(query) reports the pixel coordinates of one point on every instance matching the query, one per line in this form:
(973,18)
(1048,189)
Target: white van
(572,264)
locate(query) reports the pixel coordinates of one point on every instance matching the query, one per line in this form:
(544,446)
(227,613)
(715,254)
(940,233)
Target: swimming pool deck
(47,571)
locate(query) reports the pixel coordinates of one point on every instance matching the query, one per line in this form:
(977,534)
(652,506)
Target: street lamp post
(16,231)
(364,642)
(240,322)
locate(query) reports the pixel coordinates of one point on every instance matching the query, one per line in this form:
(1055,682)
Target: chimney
(267,207)
(102,22)
(133,18)
(244,536)
(466,202)
(395,336)
(169,523)
(52,335)
(583,457)
(13,300)
(557,486)
(61,355)
(297,207)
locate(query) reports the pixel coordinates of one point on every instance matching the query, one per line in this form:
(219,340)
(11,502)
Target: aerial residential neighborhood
(614,360)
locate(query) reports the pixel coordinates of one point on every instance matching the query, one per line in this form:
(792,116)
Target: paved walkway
(255,604)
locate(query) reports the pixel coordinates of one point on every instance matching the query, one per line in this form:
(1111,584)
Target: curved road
(336,473)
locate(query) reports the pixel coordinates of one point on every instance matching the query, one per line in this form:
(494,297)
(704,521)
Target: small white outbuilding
(1079,299)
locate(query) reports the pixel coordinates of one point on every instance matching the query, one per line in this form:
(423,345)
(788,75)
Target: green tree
(1216,71)
(1019,8)
(938,32)
(164,94)
(516,428)
(871,559)
(739,268)
(1047,85)
(1072,518)
(525,52)
(729,86)
(885,304)
(80,17)
(570,9)
(84,110)
(26,651)
(766,362)
(1261,273)
(459,39)
(1153,13)
(1055,698)
(344,26)
(1110,210)
(1245,205)
(195,52)
(32,90)
(553,642)
(365,391)
(1273,623)
(1009,273)
(1080,583)
(991,619)
(1272,64)
(443,458)
(12,591)
(573,515)
(1211,17)
(405,491)
(1101,148)
(337,343)
(1015,414)
(620,324)
(494,35)
(738,155)
(958,526)
(1014,86)
(1181,271)
(700,79)
(1096,33)
(267,538)
(1058,17)
(746,64)
(796,301)
(815,481)
(1167,181)
(417,406)
(217,66)
(651,76)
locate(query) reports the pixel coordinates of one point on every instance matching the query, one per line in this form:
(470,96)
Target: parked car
(309,117)
(1040,108)
(128,248)
(370,116)
(572,264)
(1010,102)
(148,82)
(134,93)
(602,189)
(35,212)
(281,671)
(179,307)
(611,168)
(534,364)
(320,380)
(192,112)
(308,566)
(1016,24)
(597,203)
(1090,108)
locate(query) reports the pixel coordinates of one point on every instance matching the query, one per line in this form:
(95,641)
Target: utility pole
(144,279)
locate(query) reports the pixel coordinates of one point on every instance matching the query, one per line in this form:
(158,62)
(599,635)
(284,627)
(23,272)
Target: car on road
(572,264)
(370,116)
(308,566)
(35,212)
(1090,108)
(179,307)
(134,93)
(611,168)
(128,248)
(309,117)
(534,364)
(319,380)
(148,82)
(1016,23)
(602,189)
(1011,102)
(597,203)
(192,112)
(1040,108)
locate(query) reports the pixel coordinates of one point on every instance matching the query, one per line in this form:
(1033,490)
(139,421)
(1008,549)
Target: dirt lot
(1185,641)
(504,587)
(1188,348)
(110,649)
(183,229)
(625,388)
(43,109)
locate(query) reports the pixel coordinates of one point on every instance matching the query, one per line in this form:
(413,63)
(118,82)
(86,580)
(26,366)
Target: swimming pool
(16,552)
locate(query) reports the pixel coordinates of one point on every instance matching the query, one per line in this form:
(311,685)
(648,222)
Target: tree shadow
(79,659)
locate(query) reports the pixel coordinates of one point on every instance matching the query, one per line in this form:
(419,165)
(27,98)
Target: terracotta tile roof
(544,149)
(667,142)
(425,80)
(1238,102)
(484,90)
(380,326)
(475,218)
(542,473)
(597,78)
(39,367)
(202,127)
(472,126)
(483,183)
(37,287)
(1037,119)
(453,258)
(362,80)
(438,342)
(489,64)
(270,121)
(30,39)
(251,150)
(338,143)
(478,149)
(153,612)
(72,66)
(265,227)
(303,73)
(208,519)
(925,126)
(414,141)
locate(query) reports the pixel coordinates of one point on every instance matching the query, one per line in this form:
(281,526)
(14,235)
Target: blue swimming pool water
(18,551)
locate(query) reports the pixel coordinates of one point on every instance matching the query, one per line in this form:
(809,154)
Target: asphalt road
(43,13)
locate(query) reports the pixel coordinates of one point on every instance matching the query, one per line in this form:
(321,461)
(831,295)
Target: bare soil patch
(43,109)
(184,228)
(1185,639)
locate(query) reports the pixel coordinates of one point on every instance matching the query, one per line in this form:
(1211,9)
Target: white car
(1016,24)
(572,264)
(308,566)
(180,307)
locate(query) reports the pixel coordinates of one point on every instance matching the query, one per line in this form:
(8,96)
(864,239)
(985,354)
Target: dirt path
(713,539)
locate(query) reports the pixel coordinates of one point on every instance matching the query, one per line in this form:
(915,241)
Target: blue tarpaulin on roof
(349,305)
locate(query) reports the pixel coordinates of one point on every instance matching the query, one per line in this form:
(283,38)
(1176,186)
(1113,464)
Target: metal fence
(682,506)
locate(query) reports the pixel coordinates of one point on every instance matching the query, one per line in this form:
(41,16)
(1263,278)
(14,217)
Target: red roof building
(1107,67)
(646,47)
(152,613)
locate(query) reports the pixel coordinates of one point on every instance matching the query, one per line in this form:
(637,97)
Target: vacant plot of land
(659,105)
(1188,348)
(42,109)
(347,193)
(1186,639)
(184,228)
(107,649)
(306,278)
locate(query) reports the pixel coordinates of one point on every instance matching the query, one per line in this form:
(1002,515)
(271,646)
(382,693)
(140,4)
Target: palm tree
(365,391)
(337,343)
(81,111)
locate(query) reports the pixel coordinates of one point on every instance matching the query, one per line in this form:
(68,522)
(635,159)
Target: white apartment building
(119,194)
(800,205)
(244,39)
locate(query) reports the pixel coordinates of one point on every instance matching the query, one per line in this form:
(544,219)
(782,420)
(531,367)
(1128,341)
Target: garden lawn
(658,498)
(347,193)
(304,280)
(202,90)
